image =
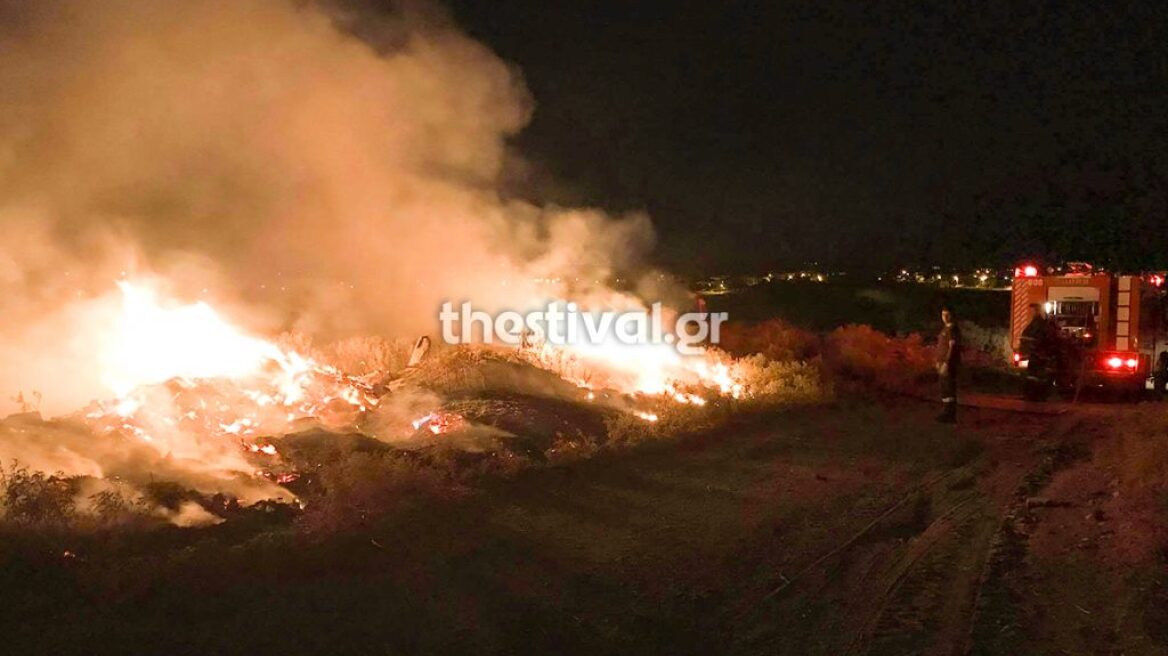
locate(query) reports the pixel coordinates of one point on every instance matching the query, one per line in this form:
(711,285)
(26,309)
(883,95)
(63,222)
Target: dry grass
(355,356)
(360,356)
(363,486)
(467,371)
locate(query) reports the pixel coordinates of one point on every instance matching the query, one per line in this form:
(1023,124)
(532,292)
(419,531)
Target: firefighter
(1039,346)
(1161,373)
(948,363)
(1036,335)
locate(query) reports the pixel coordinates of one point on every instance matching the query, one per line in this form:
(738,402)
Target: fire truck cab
(1109,327)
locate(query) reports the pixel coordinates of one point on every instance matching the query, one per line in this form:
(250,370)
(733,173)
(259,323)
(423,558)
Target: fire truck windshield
(1076,319)
(1075,313)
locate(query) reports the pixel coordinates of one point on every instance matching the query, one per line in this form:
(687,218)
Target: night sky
(861,135)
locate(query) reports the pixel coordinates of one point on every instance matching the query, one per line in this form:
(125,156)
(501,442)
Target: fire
(152,342)
(651,370)
(195,387)
(181,373)
(266,449)
(422,421)
(438,422)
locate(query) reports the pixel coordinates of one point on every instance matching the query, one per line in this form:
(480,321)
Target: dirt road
(862,528)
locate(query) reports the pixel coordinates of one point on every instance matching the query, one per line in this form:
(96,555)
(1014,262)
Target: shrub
(119,508)
(367,486)
(986,348)
(776,339)
(571,447)
(37,498)
(895,364)
(770,382)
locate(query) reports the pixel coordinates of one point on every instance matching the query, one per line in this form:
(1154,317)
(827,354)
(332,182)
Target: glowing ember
(422,421)
(266,449)
(438,422)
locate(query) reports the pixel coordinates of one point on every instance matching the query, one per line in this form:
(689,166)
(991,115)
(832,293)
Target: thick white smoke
(257,152)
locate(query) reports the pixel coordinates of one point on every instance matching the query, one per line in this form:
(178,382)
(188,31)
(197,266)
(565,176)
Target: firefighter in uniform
(1036,336)
(948,363)
(1039,345)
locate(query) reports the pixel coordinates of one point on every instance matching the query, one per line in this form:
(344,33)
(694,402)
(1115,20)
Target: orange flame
(652,370)
(181,372)
(153,342)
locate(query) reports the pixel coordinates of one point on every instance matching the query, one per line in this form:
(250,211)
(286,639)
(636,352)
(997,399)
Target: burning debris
(438,423)
(186,382)
(274,196)
(216,423)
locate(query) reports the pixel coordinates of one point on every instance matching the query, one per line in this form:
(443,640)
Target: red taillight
(1017,358)
(1121,361)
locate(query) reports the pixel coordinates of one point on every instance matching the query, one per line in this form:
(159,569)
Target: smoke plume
(304,167)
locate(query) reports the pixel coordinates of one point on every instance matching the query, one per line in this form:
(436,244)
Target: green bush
(34,498)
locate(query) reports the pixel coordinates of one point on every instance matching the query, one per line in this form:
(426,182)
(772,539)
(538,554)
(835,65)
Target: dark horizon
(863,137)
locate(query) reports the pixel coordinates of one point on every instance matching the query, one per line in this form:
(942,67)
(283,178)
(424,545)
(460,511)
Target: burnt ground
(859,528)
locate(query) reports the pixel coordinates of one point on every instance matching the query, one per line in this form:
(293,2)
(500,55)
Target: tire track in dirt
(993,625)
(927,591)
(946,590)
(896,587)
(931,594)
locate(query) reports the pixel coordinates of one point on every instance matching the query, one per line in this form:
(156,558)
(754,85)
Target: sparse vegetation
(36,499)
(894,364)
(360,356)
(364,487)
(776,339)
(355,356)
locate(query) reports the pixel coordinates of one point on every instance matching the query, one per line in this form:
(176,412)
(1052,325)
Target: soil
(858,528)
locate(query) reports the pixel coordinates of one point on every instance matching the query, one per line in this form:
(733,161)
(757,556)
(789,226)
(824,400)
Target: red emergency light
(1026,271)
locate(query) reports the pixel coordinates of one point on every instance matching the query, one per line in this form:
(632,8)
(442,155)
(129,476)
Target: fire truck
(1107,329)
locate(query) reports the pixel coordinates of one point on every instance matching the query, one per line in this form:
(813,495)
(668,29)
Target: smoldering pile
(330,170)
(221,444)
